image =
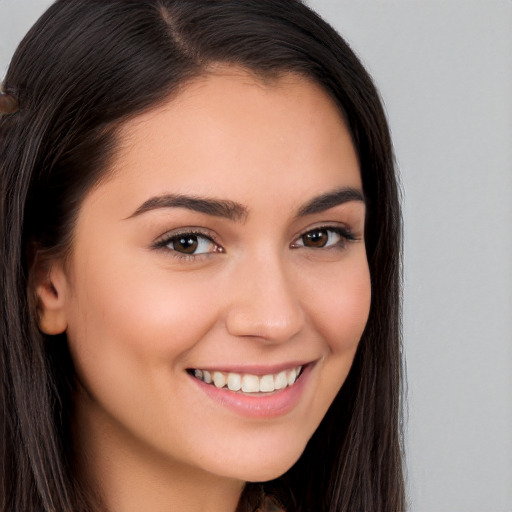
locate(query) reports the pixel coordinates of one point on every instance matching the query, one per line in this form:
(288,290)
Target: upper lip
(254,369)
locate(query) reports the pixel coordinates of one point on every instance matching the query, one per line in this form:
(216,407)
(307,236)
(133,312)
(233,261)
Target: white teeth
(248,383)
(281,381)
(234,382)
(267,383)
(219,379)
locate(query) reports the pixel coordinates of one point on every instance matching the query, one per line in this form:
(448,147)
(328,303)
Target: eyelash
(170,238)
(345,235)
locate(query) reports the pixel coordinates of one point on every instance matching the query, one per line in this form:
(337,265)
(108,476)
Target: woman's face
(227,246)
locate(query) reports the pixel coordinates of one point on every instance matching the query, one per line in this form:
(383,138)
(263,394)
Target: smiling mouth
(248,383)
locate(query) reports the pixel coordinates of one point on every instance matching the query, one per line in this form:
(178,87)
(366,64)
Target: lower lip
(271,405)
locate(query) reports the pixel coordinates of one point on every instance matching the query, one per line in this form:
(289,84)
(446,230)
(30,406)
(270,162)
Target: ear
(51,288)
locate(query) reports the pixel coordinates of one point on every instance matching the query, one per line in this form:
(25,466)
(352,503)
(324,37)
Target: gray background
(444,69)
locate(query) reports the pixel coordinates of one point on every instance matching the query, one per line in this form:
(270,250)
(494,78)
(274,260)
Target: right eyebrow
(215,207)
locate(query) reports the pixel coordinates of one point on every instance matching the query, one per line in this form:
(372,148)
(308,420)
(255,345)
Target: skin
(137,316)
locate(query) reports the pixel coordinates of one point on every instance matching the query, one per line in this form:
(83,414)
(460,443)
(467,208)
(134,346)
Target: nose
(264,301)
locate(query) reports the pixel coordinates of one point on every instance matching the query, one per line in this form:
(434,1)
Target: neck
(129,476)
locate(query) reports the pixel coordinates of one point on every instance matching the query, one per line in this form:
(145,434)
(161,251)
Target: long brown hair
(83,69)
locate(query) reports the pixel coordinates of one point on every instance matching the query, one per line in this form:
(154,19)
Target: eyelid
(187,230)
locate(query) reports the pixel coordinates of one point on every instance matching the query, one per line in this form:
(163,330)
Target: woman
(200,245)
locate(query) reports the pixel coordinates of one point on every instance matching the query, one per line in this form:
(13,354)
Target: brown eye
(186,244)
(316,239)
(324,238)
(192,244)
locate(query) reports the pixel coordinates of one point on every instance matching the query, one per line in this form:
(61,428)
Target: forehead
(229,131)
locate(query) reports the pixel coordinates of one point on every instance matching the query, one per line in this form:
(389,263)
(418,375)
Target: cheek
(340,310)
(129,326)
(138,309)
(340,314)
(130,332)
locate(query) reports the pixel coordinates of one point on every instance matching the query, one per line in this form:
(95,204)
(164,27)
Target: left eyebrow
(329,200)
(215,207)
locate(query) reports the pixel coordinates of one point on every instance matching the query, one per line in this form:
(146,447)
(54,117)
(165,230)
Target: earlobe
(51,299)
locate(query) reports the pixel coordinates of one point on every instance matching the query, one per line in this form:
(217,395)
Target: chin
(263,467)
(267,474)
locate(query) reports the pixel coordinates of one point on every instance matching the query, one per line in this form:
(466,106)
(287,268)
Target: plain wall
(444,69)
